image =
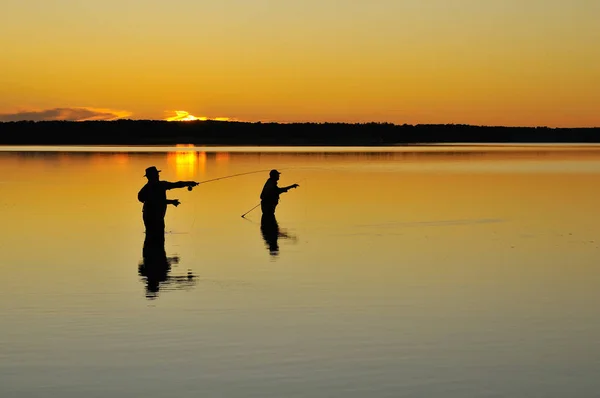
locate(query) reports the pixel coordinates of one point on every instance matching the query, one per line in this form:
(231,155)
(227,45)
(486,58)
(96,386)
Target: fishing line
(254,172)
(222,178)
(235,175)
(263,171)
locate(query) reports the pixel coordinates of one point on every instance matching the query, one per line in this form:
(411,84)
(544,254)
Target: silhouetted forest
(155,132)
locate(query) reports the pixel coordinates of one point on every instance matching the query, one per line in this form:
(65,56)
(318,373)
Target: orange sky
(412,61)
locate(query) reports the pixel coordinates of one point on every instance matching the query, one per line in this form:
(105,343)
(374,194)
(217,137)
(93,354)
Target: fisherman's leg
(268,208)
(155,228)
(268,215)
(264,207)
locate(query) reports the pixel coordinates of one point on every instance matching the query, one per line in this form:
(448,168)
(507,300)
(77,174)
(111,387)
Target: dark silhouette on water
(210,132)
(154,197)
(271,233)
(269,197)
(156,267)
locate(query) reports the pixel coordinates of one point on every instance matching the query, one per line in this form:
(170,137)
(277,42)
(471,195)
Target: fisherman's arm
(142,195)
(285,189)
(180,184)
(174,202)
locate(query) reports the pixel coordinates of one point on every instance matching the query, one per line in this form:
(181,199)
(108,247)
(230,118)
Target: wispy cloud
(78,114)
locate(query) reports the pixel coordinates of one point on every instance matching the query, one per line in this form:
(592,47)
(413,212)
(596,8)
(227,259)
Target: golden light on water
(113,158)
(121,158)
(222,157)
(201,156)
(187,163)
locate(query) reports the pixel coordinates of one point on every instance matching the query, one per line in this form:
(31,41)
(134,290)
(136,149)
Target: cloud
(78,114)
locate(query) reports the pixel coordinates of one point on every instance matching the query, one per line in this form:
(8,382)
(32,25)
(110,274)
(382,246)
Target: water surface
(443,271)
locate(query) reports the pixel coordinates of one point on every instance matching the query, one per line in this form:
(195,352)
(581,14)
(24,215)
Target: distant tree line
(156,132)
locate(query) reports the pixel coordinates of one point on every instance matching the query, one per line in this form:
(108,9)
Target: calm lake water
(397,272)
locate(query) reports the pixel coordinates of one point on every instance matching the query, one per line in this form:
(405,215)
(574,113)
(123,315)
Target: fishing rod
(234,175)
(244,215)
(257,171)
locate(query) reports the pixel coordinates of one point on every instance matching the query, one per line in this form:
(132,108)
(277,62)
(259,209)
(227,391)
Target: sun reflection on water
(187,163)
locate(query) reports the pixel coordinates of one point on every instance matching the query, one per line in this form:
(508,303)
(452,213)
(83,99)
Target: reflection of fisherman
(271,233)
(156,268)
(154,197)
(156,264)
(270,194)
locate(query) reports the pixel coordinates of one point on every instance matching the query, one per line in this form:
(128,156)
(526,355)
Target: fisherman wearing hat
(269,197)
(154,197)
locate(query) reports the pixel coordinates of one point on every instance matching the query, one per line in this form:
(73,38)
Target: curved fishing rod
(258,171)
(235,175)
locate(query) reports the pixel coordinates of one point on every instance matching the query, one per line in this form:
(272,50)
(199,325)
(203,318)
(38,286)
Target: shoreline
(425,148)
(245,134)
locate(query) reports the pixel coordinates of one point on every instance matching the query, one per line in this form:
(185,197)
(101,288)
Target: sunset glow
(183,116)
(509,63)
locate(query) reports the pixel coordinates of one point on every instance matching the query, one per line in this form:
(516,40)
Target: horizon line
(221,120)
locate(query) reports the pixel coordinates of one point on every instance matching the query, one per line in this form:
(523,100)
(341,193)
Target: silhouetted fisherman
(154,197)
(269,197)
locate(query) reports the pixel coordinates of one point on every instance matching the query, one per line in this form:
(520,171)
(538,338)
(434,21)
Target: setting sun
(183,116)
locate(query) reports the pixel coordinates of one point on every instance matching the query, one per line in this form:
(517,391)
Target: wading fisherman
(269,197)
(154,197)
